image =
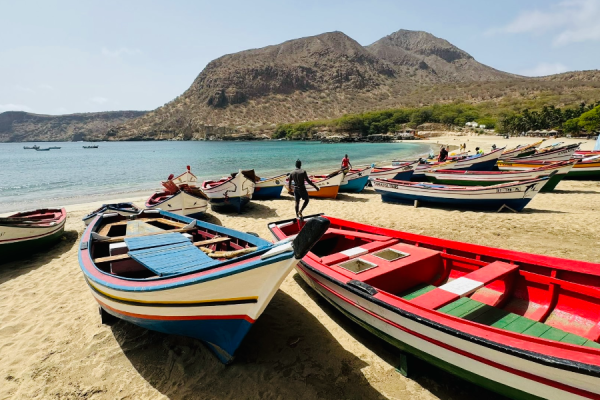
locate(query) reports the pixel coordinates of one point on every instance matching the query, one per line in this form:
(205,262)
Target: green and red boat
(29,231)
(488,178)
(524,325)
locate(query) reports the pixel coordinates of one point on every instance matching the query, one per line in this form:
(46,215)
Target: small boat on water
(268,188)
(34,147)
(25,232)
(402,172)
(355,180)
(329,185)
(523,325)
(563,153)
(178,275)
(487,178)
(520,151)
(232,192)
(91,147)
(54,148)
(43,149)
(514,195)
(125,209)
(181,200)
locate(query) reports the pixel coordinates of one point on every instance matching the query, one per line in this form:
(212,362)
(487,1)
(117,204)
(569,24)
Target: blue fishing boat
(268,188)
(355,180)
(119,208)
(177,275)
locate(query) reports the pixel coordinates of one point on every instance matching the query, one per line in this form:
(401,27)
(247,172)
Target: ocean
(33,179)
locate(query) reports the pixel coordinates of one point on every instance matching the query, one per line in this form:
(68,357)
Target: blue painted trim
(516,204)
(272,192)
(225,333)
(355,185)
(235,203)
(404,176)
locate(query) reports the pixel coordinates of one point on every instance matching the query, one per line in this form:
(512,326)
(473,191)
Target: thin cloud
(13,107)
(24,89)
(571,21)
(99,100)
(47,87)
(544,69)
(119,52)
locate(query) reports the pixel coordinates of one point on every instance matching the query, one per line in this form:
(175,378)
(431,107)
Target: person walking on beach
(299,176)
(346,163)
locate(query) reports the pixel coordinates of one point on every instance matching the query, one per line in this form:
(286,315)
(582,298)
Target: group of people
(444,151)
(299,177)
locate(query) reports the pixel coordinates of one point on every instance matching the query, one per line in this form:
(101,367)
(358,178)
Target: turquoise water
(30,178)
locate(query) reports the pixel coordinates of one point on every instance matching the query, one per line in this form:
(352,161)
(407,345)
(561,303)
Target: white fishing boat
(232,192)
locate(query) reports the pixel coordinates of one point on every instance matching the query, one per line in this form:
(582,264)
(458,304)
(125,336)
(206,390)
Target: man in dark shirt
(443,154)
(299,176)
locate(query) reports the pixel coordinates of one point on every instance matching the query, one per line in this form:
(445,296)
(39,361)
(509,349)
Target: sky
(61,57)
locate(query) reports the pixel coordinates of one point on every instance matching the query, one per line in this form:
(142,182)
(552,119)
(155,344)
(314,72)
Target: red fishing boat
(523,325)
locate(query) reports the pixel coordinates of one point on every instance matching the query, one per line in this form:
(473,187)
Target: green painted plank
(465,308)
(449,307)
(416,291)
(478,312)
(504,321)
(536,329)
(491,316)
(573,339)
(553,334)
(589,343)
(519,325)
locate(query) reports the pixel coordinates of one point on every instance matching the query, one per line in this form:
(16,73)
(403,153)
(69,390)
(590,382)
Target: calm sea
(31,179)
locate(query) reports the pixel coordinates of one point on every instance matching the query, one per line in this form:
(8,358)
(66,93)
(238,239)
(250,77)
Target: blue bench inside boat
(168,254)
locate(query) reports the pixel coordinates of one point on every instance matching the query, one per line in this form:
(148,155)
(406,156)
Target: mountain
(19,126)
(321,77)
(433,59)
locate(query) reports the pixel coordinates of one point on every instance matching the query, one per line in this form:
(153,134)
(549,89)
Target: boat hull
(495,370)
(232,194)
(181,203)
(516,195)
(231,203)
(585,171)
(217,306)
(14,248)
(264,193)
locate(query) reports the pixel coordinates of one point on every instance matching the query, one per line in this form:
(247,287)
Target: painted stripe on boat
(61,226)
(203,303)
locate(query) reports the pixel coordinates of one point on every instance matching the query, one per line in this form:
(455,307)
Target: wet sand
(52,344)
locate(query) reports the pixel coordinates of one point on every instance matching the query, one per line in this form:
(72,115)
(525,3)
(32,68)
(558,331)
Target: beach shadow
(439,382)
(538,211)
(15,267)
(575,192)
(350,198)
(287,354)
(211,219)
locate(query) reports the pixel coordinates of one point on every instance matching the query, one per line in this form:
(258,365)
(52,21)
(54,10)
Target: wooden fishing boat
(125,209)
(524,325)
(563,153)
(487,178)
(478,162)
(54,147)
(329,185)
(232,192)
(355,180)
(269,188)
(43,149)
(520,151)
(181,200)
(29,231)
(91,147)
(178,275)
(514,195)
(583,169)
(34,147)
(586,153)
(403,171)
(187,178)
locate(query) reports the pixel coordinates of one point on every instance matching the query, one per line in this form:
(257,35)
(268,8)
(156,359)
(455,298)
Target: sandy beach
(52,344)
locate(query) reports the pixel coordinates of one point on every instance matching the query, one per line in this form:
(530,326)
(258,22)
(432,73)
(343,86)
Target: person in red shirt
(346,162)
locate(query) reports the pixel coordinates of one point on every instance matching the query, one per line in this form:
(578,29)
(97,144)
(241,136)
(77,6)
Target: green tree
(590,120)
(571,126)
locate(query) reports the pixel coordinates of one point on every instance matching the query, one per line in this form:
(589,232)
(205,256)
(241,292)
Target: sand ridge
(53,346)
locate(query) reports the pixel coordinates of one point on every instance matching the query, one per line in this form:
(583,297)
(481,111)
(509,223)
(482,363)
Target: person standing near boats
(346,163)
(443,154)
(299,176)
